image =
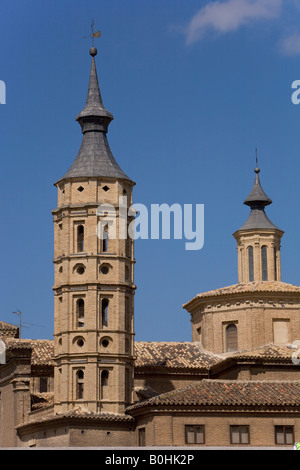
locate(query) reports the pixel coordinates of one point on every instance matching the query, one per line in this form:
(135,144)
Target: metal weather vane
(97,34)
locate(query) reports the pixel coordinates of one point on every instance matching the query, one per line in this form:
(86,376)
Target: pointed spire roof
(257,196)
(257,201)
(94,104)
(95,158)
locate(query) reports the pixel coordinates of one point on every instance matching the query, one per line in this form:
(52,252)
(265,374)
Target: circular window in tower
(79,341)
(105,342)
(80,269)
(104,268)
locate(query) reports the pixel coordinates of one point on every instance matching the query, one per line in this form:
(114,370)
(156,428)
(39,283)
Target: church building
(237,383)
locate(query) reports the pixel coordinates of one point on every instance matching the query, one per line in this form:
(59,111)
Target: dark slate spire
(257,196)
(94,105)
(95,158)
(257,201)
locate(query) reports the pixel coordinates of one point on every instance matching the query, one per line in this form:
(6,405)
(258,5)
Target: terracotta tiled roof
(173,355)
(8,330)
(41,400)
(42,349)
(269,351)
(180,355)
(167,355)
(250,287)
(227,393)
(145,392)
(80,415)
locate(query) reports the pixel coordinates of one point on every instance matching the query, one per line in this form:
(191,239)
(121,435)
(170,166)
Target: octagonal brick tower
(94,277)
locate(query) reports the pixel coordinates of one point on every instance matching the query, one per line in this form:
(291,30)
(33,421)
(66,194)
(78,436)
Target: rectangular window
(281,331)
(194,434)
(142,437)
(284,435)
(239,435)
(43,384)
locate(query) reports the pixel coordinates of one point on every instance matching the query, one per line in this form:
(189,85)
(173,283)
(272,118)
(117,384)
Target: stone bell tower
(258,240)
(94,274)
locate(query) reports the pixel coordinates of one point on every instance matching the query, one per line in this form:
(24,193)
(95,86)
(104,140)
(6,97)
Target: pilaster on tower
(94,277)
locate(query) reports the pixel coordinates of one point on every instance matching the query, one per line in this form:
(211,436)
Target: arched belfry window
(250,263)
(80,238)
(128,247)
(79,384)
(104,384)
(104,311)
(275,264)
(80,313)
(231,334)
(264,263)
(105,239)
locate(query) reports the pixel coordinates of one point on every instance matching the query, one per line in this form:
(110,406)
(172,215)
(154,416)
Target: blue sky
(194,88)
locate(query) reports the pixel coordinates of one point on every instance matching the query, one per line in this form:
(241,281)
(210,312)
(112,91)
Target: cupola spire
(257,197)
(258,240)
(95,158)
(94,107)
(257,201)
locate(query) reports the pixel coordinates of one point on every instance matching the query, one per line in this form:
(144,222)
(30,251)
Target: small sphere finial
(93,51)
(257,170)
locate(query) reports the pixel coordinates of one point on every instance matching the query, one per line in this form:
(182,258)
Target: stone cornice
(263,292)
